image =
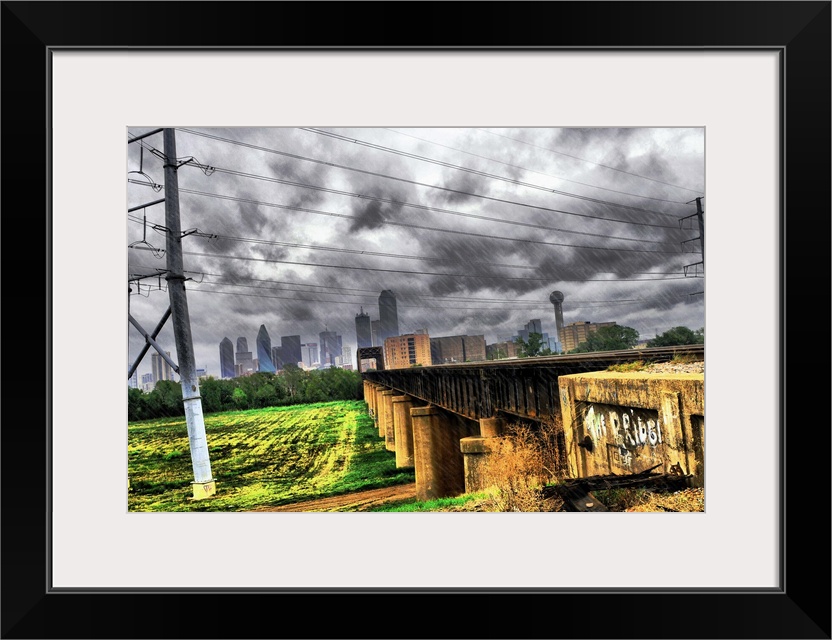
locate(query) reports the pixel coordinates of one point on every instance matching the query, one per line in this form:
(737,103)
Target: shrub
(523,461)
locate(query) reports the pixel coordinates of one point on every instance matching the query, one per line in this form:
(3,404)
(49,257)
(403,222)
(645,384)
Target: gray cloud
(483,290)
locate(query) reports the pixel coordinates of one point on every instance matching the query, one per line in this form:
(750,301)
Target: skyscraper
(309,352)
(387,315)
(330,344)
(363,330)
(226,359)
(161,369)
(264,350)
(277,358)
(375,332)
(243,357)
(291,349)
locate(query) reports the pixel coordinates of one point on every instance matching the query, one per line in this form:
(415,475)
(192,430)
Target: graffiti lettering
(627,428)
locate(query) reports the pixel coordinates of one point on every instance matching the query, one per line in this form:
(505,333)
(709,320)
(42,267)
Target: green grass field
(261,457)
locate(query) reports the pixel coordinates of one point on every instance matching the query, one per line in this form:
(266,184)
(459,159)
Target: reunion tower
(556,298)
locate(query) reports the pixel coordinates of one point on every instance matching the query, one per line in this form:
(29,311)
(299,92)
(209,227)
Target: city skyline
(299,229)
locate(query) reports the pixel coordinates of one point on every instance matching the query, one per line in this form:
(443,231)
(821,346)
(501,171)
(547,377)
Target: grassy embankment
(261,457)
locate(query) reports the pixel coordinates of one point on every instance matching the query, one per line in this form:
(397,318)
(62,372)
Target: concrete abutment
(438,460)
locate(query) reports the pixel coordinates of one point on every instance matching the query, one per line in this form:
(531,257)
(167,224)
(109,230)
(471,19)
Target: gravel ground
(676,367)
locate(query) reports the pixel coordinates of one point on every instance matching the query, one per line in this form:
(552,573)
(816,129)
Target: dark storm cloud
(478,264)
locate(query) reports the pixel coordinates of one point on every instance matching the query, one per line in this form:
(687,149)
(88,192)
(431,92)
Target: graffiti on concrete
(628,433)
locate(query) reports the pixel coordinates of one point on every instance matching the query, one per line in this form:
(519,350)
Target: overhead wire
(548,175)
(531,144)
(439,229)
(484,174)
(457,191)
(425,273)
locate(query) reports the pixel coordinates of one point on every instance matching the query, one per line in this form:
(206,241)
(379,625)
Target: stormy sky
(298,229)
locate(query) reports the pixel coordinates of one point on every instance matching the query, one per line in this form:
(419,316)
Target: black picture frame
(799,31)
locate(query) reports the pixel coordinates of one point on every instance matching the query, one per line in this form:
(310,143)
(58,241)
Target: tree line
(612,338)
(292,386)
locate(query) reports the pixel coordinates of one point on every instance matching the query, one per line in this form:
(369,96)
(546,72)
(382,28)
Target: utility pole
(204,484)
(699,215)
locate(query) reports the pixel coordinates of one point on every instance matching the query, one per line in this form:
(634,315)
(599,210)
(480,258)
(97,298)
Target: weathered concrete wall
(403,429)
(438,461)
(386,425)
(629,422)
(477,451)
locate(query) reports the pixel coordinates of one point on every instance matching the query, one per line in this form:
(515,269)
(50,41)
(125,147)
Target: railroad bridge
(443,420)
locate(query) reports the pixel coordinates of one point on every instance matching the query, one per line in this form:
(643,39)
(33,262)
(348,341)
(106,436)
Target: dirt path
(358,501)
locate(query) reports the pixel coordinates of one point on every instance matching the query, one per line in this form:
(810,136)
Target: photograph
(411,291)
(416,319)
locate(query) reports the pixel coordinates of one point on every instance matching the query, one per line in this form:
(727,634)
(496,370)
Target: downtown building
(226,359)
(309,354)
(264,351)
(449,349)
(290,350)
(277,358)
(331,348)
(363,330)
(244,363)
(500,350)
(388,317)
(576,333)
(406,351)
(160,367)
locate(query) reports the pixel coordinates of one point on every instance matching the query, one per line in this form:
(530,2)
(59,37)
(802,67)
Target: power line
(466,169)
(423,273)
(531,144)
(438,229)
(253,176)
(548,175)
(298,245)
(537,304)
(415,182)
(375,291)
(346,302)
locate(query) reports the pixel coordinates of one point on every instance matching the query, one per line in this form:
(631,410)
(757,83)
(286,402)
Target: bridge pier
(438,461)
(371,401)
(477,451)
(403,430)
(379,405)
(368,398)
(385,428)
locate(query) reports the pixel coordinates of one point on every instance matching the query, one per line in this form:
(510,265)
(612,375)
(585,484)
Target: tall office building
(330,345)
(387,315)
(291,349)
(147,382)
(309,353)
(363,330)
(277,358)
(346,358)
(133,381)
(375,332)
(226,359)
(161,369)
(264,351)
(244,360)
